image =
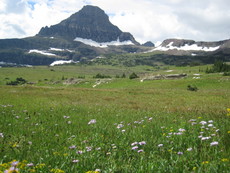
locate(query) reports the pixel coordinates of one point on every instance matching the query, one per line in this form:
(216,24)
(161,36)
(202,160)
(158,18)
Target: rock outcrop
(90,22)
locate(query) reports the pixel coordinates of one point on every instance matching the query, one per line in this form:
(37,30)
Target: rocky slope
(89,23)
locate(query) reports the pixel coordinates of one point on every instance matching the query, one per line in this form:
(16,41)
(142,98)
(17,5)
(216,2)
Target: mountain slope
(89,23)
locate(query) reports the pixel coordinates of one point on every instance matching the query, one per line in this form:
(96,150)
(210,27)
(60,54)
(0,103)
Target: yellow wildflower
(224,160)
(228,132)
(65,154)
(32,170)
(199,117)
(205,162)
(39,166)
(57,171)
(4,165)
(194,168)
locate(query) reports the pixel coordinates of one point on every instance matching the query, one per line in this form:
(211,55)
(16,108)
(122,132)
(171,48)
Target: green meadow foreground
(66,120)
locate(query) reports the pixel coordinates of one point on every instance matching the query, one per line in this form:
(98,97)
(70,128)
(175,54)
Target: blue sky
(147,20)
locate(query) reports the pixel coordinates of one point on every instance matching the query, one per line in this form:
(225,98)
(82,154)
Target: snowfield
(104,44)
(186,47)
(41,52)
(60,62)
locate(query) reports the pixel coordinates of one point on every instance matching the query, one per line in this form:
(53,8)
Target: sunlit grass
(120,126)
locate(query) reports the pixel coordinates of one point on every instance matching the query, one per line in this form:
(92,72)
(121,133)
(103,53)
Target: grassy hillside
(114,124)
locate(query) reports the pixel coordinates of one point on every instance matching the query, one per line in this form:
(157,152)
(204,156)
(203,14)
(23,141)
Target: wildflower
(1,135)
(97,170)
(205,138)
(203,122)
(224,160)
(142,143)
(72,147)
(79,152)
(120,126)
(189,149)
(93,121)
(75,161)
(205,162)
(135,147)
(210,125)
(228,132)
(210,121)
(15,163)
(29,142)
(160,145)
(69,122)
(182,130)
(88,148)
(30,164)
(180,153)
(134,143)
(192,120)
(123,131)
(57,171)
(140,151)
(214,143)
(12,170)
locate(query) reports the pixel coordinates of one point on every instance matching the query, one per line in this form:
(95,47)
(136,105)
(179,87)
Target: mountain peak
(90,22)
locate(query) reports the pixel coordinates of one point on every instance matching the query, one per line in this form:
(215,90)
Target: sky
(146,20)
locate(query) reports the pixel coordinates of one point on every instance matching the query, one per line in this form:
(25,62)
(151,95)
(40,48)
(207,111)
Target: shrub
(192,88)
(218,66)
(101,76)
(18,81)
(133,76)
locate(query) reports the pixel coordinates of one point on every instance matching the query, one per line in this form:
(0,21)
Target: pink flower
(135,147)
(139,151)
(214,143)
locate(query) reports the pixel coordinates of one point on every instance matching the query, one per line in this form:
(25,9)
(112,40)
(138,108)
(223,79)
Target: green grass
(47,124)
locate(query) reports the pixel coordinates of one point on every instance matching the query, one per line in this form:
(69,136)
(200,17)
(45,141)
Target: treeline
(219,66)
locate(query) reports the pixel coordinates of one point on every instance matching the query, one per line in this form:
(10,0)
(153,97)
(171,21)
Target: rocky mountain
(148,44)
(89,23)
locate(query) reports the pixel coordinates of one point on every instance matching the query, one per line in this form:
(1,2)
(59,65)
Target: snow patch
(104,44)
(41,52)
(60,62)
(60,50)
(56,49)
(186,47)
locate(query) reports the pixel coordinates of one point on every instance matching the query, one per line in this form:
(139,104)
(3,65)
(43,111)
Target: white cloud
(146,19)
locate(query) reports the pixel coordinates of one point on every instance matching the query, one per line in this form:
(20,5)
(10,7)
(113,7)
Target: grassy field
(65,120)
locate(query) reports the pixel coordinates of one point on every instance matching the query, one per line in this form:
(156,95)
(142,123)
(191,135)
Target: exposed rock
(169,76)
(89,23)
(148,44)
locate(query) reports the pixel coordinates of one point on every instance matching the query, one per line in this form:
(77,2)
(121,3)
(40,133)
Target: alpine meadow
(63,119)
(82,96)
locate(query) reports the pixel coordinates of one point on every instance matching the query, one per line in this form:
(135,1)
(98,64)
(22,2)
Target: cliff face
(89,23)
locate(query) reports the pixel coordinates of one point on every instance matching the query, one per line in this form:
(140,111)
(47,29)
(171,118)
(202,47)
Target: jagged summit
(90,22)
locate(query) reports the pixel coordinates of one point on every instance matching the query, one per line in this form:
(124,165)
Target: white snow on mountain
(104,44)
(56,49)
(186,47)
(41,52)
(60,62)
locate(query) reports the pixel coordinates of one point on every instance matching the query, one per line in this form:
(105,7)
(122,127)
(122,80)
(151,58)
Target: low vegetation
(114,124)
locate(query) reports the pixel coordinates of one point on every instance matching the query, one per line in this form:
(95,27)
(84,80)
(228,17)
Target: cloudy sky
(147,20)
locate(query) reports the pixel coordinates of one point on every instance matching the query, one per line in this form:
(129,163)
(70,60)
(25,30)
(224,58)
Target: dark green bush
(192,88)
(133,76)
(18,81)
(101,76)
